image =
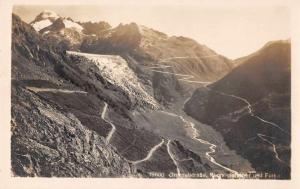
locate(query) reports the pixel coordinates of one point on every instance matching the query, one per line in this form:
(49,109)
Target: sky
(233,32)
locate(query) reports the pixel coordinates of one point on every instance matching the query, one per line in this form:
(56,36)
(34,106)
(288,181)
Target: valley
(130,101)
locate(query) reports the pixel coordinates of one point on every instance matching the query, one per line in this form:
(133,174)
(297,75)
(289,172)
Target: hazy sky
(233,32)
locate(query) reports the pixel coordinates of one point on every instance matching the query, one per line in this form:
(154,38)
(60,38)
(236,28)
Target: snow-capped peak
(48,18)
(46,14)
(44,19)
(41,24)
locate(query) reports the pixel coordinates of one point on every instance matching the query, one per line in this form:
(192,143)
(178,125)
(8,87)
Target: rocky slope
(74,116)
(117,73)
(185,55)
(46,140)
(251,108)
(167,65)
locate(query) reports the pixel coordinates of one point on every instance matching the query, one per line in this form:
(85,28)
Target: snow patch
(70,24)
(115,70)
(41,24)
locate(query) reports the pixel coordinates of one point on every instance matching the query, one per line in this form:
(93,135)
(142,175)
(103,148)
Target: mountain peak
(44,19)
(46,14)
(49,20)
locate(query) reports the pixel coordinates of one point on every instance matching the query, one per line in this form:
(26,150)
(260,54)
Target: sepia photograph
(150,91)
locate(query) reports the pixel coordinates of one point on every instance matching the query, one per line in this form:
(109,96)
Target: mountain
(92,100)
(243,59)
(169,66)
(48,21)
(47,139)
(149,46)
(44,19)
(63,31)
(150,54)
(251,108)
(76,114)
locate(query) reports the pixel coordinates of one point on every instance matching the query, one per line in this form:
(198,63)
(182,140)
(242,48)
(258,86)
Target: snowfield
(70,24)
(116,71)
(41,24)
(47,22)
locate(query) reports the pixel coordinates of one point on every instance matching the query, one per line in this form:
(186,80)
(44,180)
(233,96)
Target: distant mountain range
(92,100)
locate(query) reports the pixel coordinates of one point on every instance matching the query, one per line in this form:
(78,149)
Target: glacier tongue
(116,70)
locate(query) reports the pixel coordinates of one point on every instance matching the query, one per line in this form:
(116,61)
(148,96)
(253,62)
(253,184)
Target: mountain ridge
(141,42)
(253,101)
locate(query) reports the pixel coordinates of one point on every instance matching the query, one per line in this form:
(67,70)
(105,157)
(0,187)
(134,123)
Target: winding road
(250,110)
(186,57)
(173,158)
(113,129)
(187,78)
(36,90)
(150,153)
(103,113)
(195,133)
(212,151)
(263,137)
(184,77)
(212,147)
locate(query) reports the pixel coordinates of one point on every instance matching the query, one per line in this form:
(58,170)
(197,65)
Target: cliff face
(251,108)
